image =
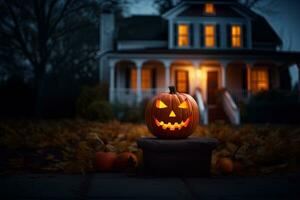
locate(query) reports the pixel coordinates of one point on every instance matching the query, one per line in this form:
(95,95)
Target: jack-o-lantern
(172,115)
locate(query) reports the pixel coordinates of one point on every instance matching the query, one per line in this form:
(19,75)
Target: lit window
(209,32)
(133,78)
(259,80)
(182,81)
(146,79)
(183,35)
(209,8)
(236,33)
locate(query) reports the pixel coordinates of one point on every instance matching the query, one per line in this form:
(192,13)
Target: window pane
(183,41)
(209,30)
(183,29)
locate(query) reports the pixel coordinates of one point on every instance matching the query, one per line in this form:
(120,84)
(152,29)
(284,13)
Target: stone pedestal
(186,157)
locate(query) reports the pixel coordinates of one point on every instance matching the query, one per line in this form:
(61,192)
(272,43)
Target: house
(198,46)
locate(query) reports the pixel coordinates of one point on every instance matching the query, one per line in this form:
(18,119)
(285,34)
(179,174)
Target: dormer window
(183,35)
(209,9)
(236,36)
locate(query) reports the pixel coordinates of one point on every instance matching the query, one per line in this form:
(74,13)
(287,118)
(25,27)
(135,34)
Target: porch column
(224,67)
(196,68)
(167,73)
(139,95)
(112,82)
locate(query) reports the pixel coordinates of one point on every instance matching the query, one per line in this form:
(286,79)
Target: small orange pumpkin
(172,115)
(125,161)
(225,165)
(104,161)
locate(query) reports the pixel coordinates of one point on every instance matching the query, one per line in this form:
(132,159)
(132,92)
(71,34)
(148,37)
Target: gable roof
(150,27)
(142,27)
(262,32)
(221,11)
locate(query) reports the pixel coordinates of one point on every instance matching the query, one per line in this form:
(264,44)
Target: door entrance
(182,81)
(212,87)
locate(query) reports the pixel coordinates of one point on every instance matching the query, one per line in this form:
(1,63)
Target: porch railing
(231,109)
(240,95)
(149,93)
(202,108)
(130,96)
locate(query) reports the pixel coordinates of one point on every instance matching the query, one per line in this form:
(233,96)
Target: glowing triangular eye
(183,105)
(160,104)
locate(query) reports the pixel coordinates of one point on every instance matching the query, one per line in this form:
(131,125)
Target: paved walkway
(119,186)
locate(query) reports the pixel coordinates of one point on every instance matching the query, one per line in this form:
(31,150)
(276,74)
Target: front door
(212,87)
(182,81)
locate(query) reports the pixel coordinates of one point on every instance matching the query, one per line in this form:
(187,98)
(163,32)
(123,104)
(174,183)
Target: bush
(126,113)
(273,107)
(100,111)
(87,96)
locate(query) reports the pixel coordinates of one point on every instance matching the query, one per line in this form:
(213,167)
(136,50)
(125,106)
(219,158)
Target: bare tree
(42,34)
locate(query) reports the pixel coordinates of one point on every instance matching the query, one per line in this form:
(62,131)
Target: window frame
(133,79)
(207,7)
(236,36)
(214,35)
(187,81)
(255,79)
(188,36)
(148,81)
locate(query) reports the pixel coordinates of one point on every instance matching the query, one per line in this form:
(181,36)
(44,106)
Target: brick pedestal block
(187,157)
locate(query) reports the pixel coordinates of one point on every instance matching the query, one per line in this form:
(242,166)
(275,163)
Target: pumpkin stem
(172,89)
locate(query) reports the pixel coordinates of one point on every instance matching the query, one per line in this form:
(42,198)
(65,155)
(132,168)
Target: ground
(70,145)
(55,160)
(120,186)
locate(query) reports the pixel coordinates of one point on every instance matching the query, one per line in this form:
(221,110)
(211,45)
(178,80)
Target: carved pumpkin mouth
(171,126)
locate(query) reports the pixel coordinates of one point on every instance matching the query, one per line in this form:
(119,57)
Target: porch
(141,77)
(131,81)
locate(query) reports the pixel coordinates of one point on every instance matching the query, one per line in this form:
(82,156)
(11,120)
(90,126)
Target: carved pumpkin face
(172,115)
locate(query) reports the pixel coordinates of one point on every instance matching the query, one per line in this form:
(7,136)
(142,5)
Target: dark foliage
(92,103)
(127,113)
(273,107)
(100,111)
(16,98)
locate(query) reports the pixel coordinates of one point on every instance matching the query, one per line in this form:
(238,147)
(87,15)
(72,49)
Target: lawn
(70,146)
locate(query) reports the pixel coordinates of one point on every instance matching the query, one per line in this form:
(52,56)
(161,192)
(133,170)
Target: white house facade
(200,47)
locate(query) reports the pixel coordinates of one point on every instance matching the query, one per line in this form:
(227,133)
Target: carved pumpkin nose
(172,114)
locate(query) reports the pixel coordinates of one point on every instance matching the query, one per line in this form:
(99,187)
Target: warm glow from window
(259,80)
(182,81)
(236,33)
(209,8)
(209,32)
(146,79)
(133,78)
(183,35)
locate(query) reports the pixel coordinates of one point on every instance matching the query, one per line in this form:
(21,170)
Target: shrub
(100,110)
(273,107)
(127,113)
(87,96)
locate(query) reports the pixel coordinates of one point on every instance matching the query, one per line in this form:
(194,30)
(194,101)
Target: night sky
(283,15)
